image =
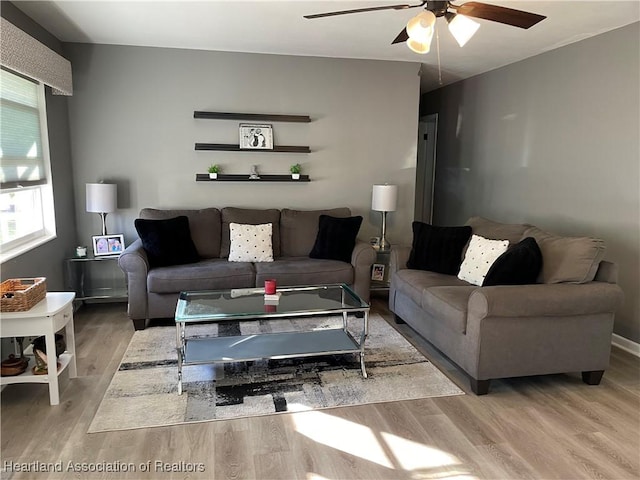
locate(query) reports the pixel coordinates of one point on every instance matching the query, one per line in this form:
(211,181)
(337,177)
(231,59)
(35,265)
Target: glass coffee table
(251,304)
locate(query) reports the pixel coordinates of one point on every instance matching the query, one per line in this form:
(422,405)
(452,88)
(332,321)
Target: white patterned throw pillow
(250,243)
(480,255)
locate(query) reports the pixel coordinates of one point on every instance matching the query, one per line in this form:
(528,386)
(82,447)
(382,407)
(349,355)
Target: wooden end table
(45,318)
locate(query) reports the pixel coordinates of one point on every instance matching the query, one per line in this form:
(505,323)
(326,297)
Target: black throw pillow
(438,249)
(336,238)
(520,265)
(167,242)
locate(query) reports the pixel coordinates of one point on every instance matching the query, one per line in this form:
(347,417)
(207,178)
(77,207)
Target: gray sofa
(561,324)
(153,292)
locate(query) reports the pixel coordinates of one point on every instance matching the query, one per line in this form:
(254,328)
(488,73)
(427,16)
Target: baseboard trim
(626,344)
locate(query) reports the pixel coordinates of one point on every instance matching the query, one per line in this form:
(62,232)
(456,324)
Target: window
(27,217)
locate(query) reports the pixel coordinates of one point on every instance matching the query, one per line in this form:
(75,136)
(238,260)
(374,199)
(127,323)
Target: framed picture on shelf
(377,272)
(104,245)
(256,137)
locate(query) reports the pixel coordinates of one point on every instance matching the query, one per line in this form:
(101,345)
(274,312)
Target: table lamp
(102,199)
(384,199)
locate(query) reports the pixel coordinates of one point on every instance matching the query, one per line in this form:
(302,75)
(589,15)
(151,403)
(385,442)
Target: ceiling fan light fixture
(420,27)
(420,31)
(419,47)
(461,27)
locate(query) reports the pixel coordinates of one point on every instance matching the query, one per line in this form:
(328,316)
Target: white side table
(45,318)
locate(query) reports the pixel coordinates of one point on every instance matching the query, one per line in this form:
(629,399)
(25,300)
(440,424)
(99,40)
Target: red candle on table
(269,287)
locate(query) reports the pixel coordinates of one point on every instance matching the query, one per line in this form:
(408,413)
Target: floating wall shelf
(263,117)
(225,147)
(204,177)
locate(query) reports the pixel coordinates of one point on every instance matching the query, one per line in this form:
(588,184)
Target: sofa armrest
(362,258)
(545,300)
(363,254)
(134,259)
(135,264)
(537,329)
(399,258)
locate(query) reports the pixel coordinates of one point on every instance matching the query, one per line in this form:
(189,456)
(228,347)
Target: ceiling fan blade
(403,6)
(403,36)
(508,16)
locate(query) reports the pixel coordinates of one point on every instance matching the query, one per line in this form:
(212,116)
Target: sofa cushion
(520,265)
(299,229)
(336,238)
(205,226)
(167,242)
(249,216)
(449,305)
(437,249)
(304,271)
(497,231)
(250,243)
(479,257)
(213,274)
(567,259)
(413,282)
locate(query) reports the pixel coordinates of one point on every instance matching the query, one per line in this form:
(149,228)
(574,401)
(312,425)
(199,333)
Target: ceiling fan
(419,30)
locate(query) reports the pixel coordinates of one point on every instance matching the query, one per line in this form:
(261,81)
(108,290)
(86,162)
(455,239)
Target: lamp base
(384,244)
(103,218)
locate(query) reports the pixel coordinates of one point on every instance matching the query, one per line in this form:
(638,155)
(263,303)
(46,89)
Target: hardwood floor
(548,427)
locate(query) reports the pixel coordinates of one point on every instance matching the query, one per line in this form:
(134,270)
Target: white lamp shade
(463,28)
(418,47)
(102,197)
(420,30)
(384,198)
(420,27)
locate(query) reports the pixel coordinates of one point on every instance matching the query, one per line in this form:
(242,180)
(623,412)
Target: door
(426,167)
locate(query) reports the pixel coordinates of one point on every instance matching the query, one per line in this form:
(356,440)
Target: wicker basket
(20,294)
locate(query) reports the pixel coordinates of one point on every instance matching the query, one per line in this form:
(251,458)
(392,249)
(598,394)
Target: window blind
(21,157)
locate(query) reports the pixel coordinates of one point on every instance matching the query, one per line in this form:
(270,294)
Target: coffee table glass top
(250,303)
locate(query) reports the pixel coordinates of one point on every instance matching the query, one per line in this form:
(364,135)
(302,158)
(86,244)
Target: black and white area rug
(143,392)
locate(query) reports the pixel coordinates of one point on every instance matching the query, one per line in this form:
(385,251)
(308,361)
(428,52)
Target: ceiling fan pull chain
(438,51)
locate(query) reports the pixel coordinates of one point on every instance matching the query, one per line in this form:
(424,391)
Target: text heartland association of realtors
(107,467)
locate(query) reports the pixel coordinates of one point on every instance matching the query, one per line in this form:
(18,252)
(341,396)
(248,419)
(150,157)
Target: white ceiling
(277,27)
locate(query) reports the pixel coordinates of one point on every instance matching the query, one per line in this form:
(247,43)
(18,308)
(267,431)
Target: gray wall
(132,122)
(48,259)
(553,141)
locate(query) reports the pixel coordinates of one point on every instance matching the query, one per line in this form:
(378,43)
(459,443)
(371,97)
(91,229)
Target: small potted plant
(213,171)
(295,171)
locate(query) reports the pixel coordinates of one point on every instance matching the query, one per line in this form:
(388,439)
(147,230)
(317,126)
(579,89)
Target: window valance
(24,54)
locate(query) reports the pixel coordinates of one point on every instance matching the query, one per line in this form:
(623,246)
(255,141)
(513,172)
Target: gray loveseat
(153,292)
(561,324)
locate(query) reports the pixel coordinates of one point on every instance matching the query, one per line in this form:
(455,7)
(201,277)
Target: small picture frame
(256,137)
(375,242)
(105,245)
(377,272)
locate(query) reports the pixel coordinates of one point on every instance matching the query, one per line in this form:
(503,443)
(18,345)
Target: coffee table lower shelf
(270,346)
